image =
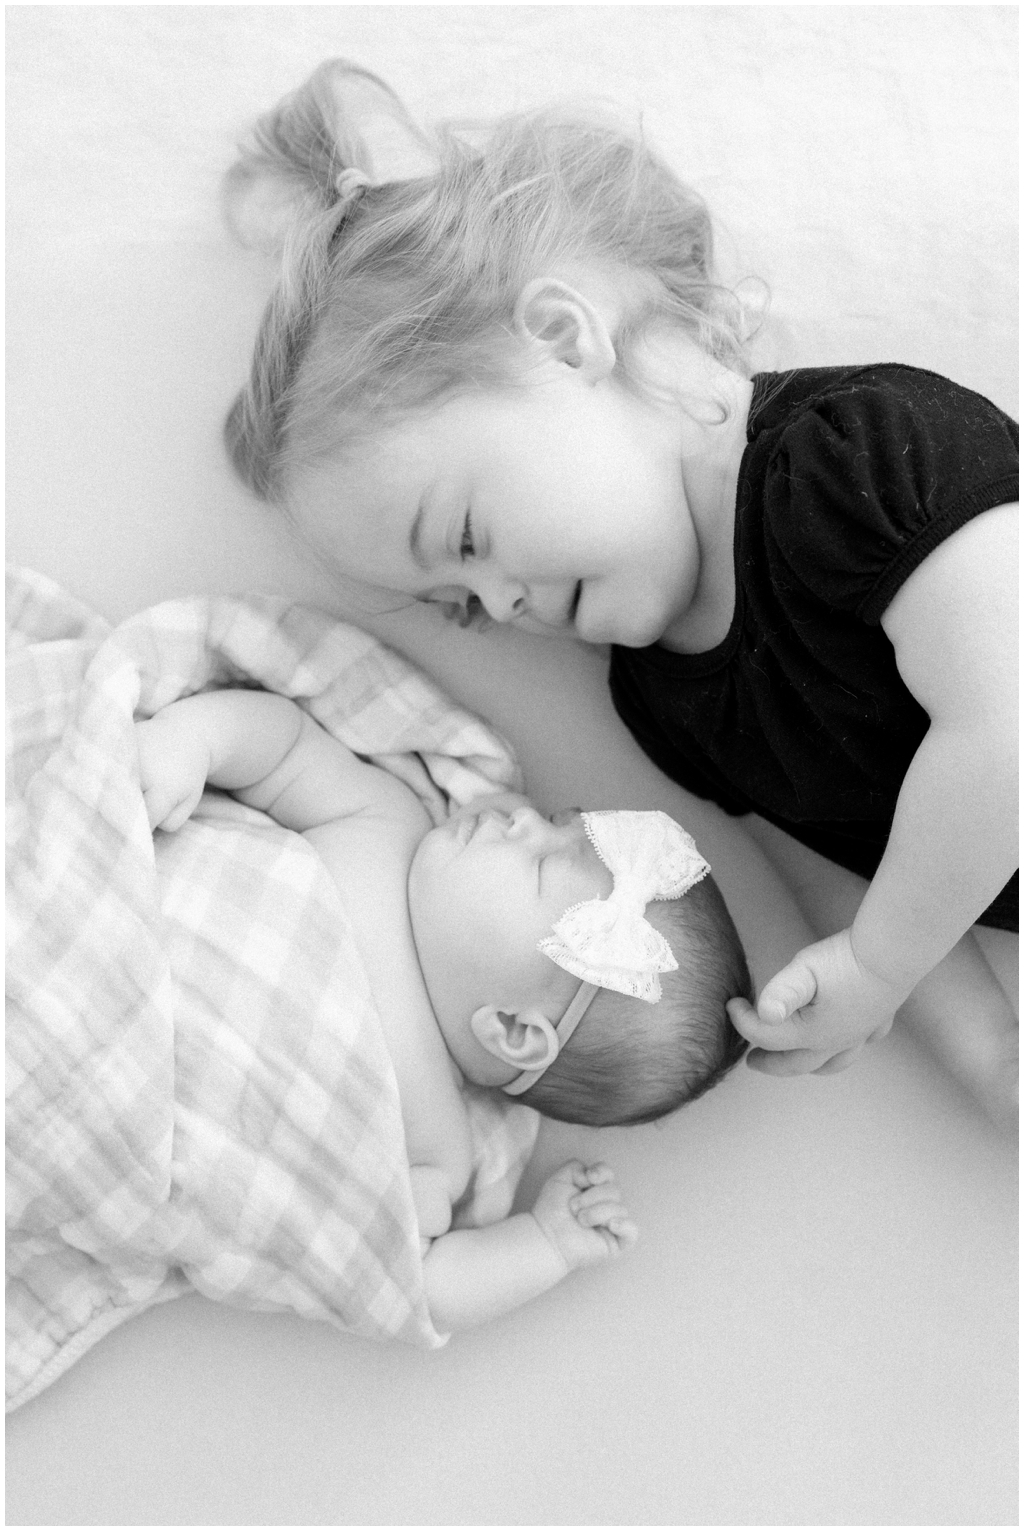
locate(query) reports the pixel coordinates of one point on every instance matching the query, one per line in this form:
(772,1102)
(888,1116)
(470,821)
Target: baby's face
(484,888)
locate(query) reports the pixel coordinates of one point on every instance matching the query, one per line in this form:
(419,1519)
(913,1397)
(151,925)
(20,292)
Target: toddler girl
(511,384)
(516,952)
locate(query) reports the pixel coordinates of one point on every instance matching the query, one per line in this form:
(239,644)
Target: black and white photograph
(512,787)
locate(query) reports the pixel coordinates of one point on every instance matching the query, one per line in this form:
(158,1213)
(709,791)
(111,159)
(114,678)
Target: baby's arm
(475,1274)
(953,843)
(266,751)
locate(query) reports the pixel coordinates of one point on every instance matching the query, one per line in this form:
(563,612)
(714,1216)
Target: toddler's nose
(503,600)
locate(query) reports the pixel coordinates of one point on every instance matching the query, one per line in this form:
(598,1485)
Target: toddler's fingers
(773,1036)
(840,1062)
(789,991)
(801,1060)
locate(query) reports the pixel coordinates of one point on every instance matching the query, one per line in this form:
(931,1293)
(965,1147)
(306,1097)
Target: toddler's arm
(475,1274)
(266,751)
(953,842)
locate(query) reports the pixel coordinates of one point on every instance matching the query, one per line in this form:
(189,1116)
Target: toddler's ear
(525,1040)
(566,326)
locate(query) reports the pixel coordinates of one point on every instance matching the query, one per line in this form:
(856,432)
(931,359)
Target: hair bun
(350,185)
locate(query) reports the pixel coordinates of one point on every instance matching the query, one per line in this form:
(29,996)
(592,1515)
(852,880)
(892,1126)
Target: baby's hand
(580,1210)
(173,763)
(410,769)
(816,1014)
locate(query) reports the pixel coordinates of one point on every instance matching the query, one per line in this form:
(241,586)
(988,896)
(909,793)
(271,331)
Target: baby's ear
(566,326)
(525,1040)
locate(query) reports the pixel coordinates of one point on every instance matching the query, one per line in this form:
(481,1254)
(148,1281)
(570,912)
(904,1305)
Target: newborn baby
(489,941)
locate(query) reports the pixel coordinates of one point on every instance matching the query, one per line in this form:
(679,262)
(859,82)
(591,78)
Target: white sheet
(818,1324)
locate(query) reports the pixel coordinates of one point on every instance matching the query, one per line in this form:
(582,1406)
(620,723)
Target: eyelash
(467,537)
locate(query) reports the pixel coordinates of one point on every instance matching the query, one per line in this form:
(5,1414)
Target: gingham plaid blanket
(199,1096)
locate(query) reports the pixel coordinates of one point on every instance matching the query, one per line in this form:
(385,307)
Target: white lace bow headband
(607,942)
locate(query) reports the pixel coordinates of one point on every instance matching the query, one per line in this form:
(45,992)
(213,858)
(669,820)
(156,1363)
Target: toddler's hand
(173,762)
(580,1210)
(816,1014)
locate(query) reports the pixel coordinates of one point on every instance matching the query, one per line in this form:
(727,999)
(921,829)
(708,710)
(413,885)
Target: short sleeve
(873,474)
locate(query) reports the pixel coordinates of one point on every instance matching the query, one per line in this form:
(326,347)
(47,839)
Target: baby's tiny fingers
(624,1229)
(596,1174)
(178,815)
(618,1230)
(598,1214)
(157,807)
(595,1195)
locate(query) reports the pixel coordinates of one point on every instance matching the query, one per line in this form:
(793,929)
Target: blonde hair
(394,296)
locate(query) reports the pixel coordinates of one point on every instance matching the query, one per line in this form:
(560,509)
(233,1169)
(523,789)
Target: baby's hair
(401,294)
(629,1061)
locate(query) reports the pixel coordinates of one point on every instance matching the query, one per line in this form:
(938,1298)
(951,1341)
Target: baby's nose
(529,825)
(526,823)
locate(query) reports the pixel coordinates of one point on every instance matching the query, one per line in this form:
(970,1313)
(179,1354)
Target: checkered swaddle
(199,1097)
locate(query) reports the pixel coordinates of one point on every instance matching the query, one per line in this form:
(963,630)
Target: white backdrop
(818,1325)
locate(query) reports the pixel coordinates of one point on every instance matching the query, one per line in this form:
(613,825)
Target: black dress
(851,476)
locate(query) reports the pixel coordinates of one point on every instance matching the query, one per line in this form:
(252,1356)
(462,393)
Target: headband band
(574,1013)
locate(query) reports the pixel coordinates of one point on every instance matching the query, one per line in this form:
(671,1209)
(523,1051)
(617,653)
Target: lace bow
(607,941)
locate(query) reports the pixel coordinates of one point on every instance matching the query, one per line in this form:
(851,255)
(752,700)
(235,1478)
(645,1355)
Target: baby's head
(522,922)
(459,391)
(630,1061)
